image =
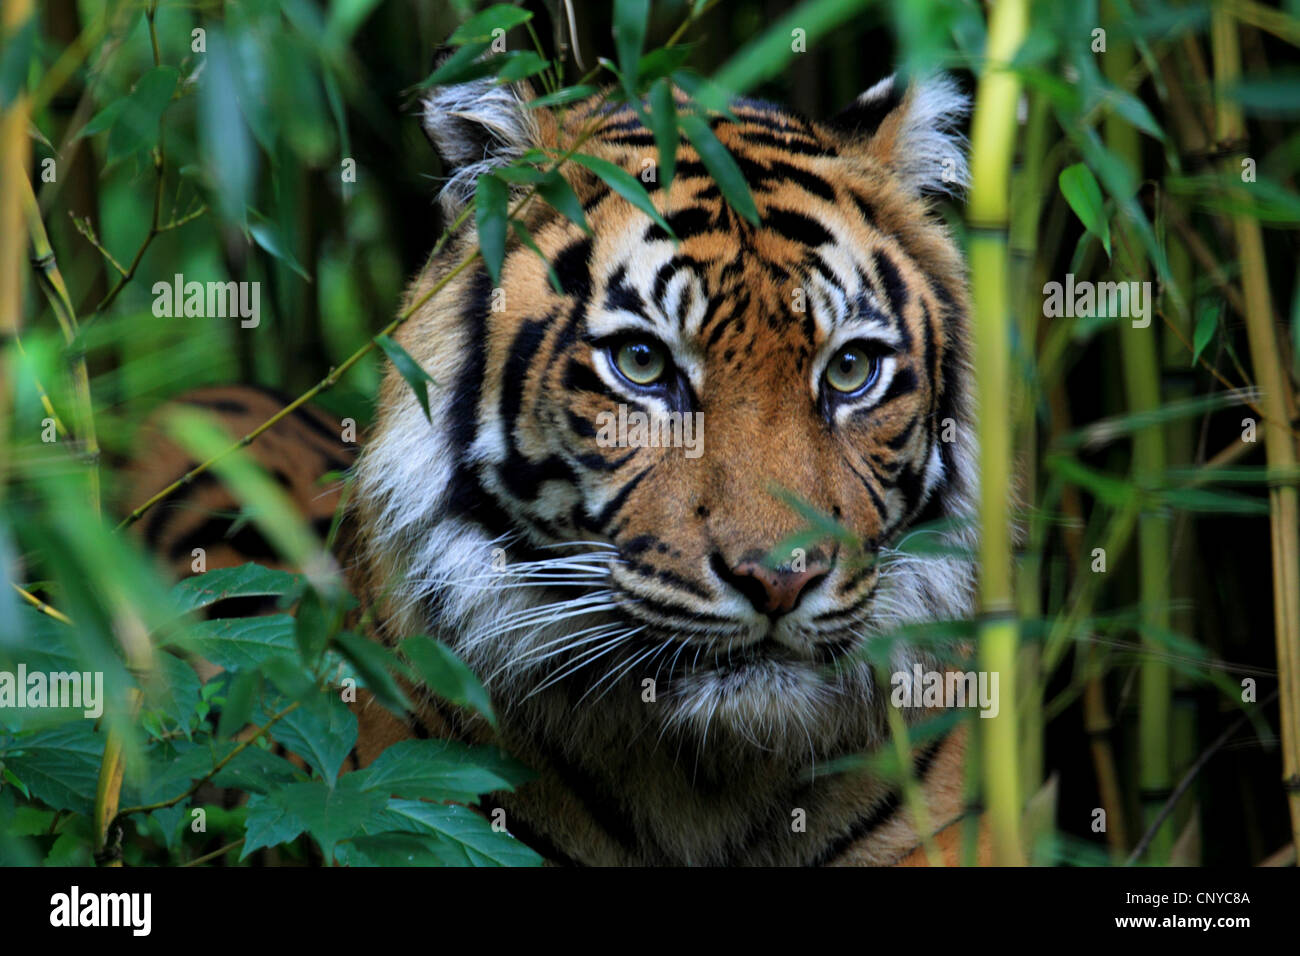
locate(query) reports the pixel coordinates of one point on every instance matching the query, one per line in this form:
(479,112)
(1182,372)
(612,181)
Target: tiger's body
(679,692)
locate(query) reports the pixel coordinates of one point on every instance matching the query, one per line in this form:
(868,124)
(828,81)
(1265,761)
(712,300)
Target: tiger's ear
(915,131)
(476,127)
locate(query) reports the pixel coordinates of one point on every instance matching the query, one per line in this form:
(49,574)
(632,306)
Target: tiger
(685,694)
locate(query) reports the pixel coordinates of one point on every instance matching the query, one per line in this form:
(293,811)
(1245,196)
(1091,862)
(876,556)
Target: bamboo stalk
(14,152)
(51,282)
(1028,270)
(993,140)
(1279,445)
(1180,445)
(1139,359)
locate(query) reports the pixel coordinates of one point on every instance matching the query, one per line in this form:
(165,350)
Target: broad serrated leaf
(447,675)
(322,735)
(442,770)
(458,836)
(60,766)
(245,580)
(415,376)
(329,814)
(1080,189)
(174,690)
(243,642)
(491,197)
(625,184)
(255,770)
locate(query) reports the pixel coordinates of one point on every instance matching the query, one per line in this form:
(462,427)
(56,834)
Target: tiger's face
(632,432)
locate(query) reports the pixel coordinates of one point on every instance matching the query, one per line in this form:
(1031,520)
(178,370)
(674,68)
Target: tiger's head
(628,426)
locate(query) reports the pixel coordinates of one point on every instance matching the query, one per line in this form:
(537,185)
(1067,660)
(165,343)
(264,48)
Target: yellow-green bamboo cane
(14,146)
(1028,270)
(993,141)
(1279,446)
(1138,348)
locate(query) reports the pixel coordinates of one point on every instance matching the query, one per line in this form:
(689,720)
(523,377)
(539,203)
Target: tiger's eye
(641,362)
(850,369)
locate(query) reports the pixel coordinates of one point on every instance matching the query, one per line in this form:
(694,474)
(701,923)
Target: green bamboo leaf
(415,376)
(269,237)
(767,55)
(663,123)
(625,184)
(15,58)
(137,124)
(464,65)
(264,500)
(521,64)
(346,17)
(479,28)
(630,18)
(1272,95)
(375,665)
(102,120)
(1135,111)
(1080,189)
(722,166)
(555,189)
(526,237)
(447,675)
(520,175)
(491,210)
(563,97)
(241,693)
(1207,323)
(662,63)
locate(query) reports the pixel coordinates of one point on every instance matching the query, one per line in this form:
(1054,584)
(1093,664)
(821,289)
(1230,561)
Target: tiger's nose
(775,591)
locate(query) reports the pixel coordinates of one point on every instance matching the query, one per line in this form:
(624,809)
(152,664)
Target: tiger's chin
(766,699)
(779,703)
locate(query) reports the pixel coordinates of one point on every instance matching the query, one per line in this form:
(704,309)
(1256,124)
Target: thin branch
(198,860)
(1186,782)
(221,765)
(41,606)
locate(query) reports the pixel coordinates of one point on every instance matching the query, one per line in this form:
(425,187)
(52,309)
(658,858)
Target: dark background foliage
(315,85)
